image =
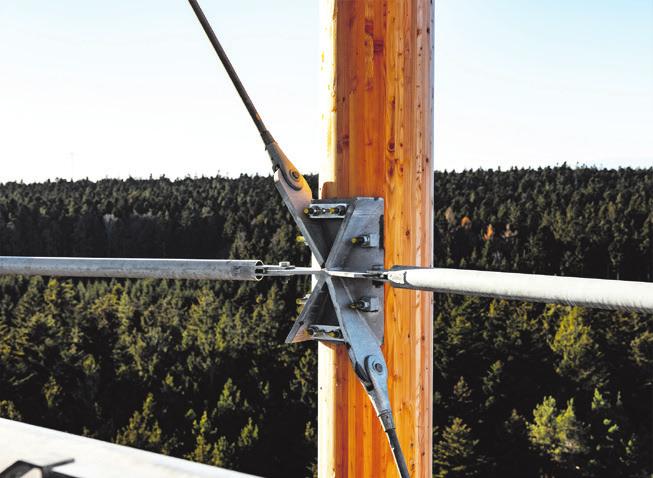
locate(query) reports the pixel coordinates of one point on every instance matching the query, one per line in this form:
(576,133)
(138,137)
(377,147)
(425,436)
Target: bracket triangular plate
(352,231)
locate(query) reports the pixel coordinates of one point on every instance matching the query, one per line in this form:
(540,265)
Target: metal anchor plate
(348,255)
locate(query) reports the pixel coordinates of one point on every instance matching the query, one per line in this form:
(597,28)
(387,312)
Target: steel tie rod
(224,59)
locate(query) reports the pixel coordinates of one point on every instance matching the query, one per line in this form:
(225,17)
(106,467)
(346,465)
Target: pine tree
(559,436)
(580,356)
(455,452)
(209,448)
(614,447)
(143,430)
(9,411)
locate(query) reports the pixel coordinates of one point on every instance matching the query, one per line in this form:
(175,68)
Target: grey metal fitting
(326,211)
(366,240)
(325,332)
(366,304)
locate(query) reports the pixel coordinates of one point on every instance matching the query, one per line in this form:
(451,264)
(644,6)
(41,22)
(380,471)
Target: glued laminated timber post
(377,113)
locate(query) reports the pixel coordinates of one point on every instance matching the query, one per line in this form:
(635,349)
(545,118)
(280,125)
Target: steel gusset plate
(337,300)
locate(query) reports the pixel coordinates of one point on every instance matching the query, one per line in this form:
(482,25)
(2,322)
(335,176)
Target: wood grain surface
(377,114)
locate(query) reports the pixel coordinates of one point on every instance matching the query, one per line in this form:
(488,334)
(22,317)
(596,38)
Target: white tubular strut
(596,293)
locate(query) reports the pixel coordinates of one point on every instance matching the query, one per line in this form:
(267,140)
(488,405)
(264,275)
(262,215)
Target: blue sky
(132,88)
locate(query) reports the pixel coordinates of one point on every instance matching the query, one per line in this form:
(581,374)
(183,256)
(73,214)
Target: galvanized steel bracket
(346,304)
(351,232)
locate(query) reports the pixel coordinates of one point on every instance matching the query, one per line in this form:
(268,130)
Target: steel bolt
(362,241)
(366,304)
(313,210)
(359,304)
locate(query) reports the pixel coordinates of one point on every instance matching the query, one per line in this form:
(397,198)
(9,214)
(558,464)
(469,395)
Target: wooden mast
(377,111)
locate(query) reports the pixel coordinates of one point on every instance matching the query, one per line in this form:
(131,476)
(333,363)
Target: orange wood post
(377,112)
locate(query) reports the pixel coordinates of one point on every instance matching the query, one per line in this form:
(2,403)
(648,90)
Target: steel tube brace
(133,268)
(583,292)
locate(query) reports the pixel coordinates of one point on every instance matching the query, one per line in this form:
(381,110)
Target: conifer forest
(199,370)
